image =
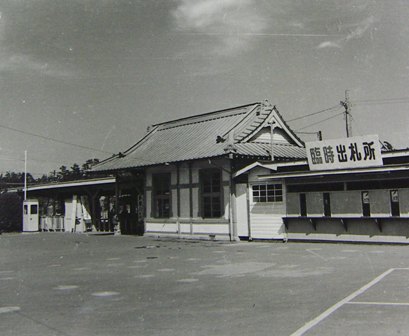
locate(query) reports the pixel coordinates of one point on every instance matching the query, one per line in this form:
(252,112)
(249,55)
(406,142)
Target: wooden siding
(266,218)
(266,221)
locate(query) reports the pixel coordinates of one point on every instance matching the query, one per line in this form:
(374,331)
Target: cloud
(230,23)
(356,31)
(328,44)
(361,28)
(25,63)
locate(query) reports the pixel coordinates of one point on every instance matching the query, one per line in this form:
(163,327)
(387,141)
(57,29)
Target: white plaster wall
(241,210)
(69,225)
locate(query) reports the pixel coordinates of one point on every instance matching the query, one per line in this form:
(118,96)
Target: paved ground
(67,284)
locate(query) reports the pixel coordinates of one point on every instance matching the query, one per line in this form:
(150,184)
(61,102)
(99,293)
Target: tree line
(13,180)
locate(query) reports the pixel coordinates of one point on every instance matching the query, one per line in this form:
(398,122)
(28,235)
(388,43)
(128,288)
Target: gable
(259,131)
(279,136)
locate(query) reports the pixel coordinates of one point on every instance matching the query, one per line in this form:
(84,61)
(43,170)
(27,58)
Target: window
(211,193)
(161,202)
(267,193)
(33,209)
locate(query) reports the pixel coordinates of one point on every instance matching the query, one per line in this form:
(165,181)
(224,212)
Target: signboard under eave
(354,152)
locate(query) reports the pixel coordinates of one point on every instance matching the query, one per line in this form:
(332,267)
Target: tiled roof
(195,138)
(280,151)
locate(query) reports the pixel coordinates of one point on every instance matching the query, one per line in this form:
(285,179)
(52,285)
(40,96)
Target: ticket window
(394,198)
(366,206)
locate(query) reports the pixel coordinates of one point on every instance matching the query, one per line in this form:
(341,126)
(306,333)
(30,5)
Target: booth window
(161,195)
(211,193)
(267,193)
(33,209)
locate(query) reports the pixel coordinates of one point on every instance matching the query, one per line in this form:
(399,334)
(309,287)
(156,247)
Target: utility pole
(347,105)
(272,126)
(25,175)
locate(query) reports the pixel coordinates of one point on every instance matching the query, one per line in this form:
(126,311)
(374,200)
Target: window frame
(260,193)
(215,212)
(162,193)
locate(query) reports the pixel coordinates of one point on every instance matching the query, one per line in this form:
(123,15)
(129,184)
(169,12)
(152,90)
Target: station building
(365,200)
(184,171)
(242,173)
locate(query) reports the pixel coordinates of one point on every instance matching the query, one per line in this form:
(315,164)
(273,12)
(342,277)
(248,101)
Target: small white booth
(30,216)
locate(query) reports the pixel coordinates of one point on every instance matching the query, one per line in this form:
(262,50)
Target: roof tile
(195,138)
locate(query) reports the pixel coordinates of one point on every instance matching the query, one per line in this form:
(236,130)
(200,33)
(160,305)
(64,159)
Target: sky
(83,79)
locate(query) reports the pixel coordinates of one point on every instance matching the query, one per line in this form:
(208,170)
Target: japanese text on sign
(353,152)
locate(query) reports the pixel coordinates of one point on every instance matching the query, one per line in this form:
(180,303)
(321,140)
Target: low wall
(387,230)
(212,229)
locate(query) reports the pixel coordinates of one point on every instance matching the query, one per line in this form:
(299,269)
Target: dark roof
(196,138)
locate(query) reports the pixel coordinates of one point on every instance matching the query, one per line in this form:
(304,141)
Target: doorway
(131,212)
(327,205)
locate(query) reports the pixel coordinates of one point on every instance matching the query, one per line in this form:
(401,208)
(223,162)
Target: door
(394,197)
(327,204)
(303,205)
(30,216)
(131,212)
(366,205)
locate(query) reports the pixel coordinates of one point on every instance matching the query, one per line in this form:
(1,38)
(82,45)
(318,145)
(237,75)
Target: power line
(55,140)
(321,121)
(379,100)
(336,107)
(305,132)
(383,103)
(357,125)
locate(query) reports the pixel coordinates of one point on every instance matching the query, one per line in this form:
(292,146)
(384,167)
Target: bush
(11,217)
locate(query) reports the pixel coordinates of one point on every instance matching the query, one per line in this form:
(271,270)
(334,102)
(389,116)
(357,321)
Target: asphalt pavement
(78,284)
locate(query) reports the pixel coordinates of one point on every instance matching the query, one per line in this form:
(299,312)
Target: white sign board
(355,152)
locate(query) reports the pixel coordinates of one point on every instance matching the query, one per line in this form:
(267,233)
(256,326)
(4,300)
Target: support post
(178,196)
(191,196)
(117,229)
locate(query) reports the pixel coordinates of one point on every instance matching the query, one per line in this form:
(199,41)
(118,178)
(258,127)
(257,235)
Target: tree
(76,172)
(89,163)
(63,174)
(10,212)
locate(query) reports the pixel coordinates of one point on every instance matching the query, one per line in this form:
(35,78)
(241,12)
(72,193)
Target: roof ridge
(196,121)
(268,143)
(250,112)
(204,114)
(261,116)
